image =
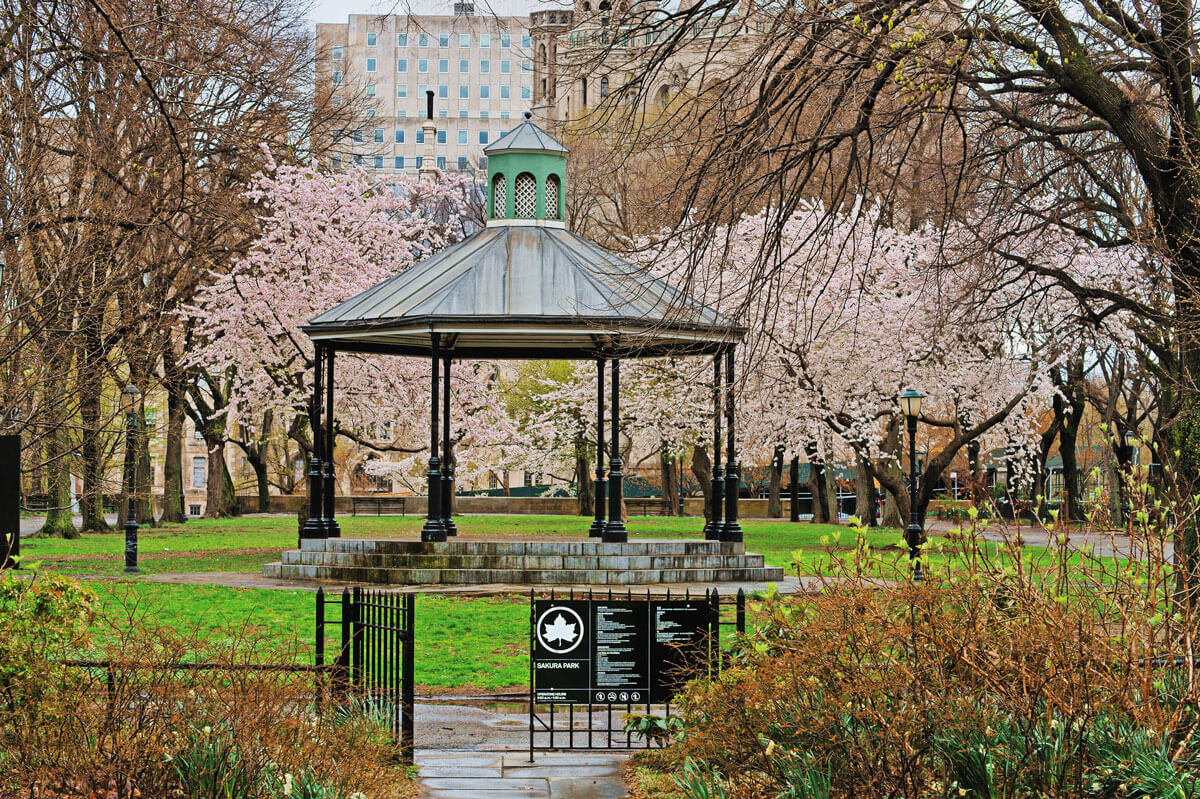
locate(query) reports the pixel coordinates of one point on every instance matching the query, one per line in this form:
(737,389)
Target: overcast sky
(339,10)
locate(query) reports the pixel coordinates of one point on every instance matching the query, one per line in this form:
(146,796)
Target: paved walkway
(474,774)
(479,750)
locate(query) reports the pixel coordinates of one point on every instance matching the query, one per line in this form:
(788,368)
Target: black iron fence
(372,662)
(374,659)
(606,725)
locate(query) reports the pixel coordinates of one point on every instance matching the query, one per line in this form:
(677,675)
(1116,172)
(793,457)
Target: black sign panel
(615,651)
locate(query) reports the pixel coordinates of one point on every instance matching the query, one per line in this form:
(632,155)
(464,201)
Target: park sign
(617,651)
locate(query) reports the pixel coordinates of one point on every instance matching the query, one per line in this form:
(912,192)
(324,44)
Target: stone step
(456,561)
(638,547)
(520,576)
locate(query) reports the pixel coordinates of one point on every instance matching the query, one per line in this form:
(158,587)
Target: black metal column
(433,529)
(731,531)
(313,527)
(329,522)
(10,501)
(712,528)
(914,532)
(597,528)
(131,523)
(447,468)
(614,528)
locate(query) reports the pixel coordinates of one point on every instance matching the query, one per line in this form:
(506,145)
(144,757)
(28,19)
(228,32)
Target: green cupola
(526,171)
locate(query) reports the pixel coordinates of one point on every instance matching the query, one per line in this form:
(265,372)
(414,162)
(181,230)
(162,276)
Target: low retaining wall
(507,506)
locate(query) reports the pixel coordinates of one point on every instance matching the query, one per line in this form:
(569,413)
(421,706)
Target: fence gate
(603,656)
(374,658)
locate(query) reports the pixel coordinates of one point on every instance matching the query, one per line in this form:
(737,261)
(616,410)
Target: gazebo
(523,287)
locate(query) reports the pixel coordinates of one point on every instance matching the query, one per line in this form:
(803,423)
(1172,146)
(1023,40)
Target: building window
(464,66)
(402,113)
(526,41)
(506,114)
(402,65)
(370,90)
(337,162)
(402,40)
(525,196)
(462,163)
(443,91)
(485,40)
(337,53)
(526,65)
(337,77)
(420,160)
(371,64)
(199,471)
(193,510)
(399,162)
(603,88)
(483,114)
(372,38)
(462,114)
(441,137)
(503,133)
(379,162)
(443,40)
(443,65)
(442,114)
(485,92)
(441,162)
(358,160)
(370,112)
(505,67)
(483,162)
(505,92)
(485,66)
(399,137)
(402,90)
(379,135)
(526,92)
(464,40)
(463,92)
(499,187)
(505,40)
(422,65)
(357,135)
(552,197)
(462,137)
(422,40)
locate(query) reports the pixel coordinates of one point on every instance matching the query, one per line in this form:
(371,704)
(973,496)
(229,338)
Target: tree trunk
(831,496)
(864,491)
(261,478)
(1067,437)
(816,485)
(702,471)
(173,507)
(670,482)
(218,496)
(775,488)
(91,502)
(58,516)
(895,505)
(584,478)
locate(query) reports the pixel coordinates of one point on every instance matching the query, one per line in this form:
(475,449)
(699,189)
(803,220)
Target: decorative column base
(731,531)
(314,525)
(715,523)
(447,499)
(599,498)
(434,530)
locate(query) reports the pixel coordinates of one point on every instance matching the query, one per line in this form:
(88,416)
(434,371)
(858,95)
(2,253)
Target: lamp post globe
(129,405)
(910,404)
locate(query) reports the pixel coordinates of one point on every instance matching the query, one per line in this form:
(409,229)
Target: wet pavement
(480,750)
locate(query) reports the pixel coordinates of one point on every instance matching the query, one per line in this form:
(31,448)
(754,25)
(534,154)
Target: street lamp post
(129,398)
(910,403)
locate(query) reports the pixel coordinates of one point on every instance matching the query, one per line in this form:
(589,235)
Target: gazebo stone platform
(544,562)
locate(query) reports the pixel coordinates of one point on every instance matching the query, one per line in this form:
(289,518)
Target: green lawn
(463,643)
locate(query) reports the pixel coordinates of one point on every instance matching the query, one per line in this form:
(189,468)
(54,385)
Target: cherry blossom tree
(325,238)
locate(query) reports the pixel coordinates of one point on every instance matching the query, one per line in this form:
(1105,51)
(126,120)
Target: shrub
(1007,673)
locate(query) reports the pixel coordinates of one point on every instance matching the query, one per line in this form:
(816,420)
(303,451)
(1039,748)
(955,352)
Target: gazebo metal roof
(524,291)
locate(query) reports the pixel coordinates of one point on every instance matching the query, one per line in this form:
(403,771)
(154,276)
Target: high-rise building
(479,68)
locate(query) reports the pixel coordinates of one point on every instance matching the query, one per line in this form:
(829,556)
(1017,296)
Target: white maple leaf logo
(559,630)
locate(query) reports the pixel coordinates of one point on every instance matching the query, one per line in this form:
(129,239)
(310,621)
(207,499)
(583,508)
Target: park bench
(383,506)
(36,502)
(646,507)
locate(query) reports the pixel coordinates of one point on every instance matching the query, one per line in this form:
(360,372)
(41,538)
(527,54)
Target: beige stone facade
(478,66)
